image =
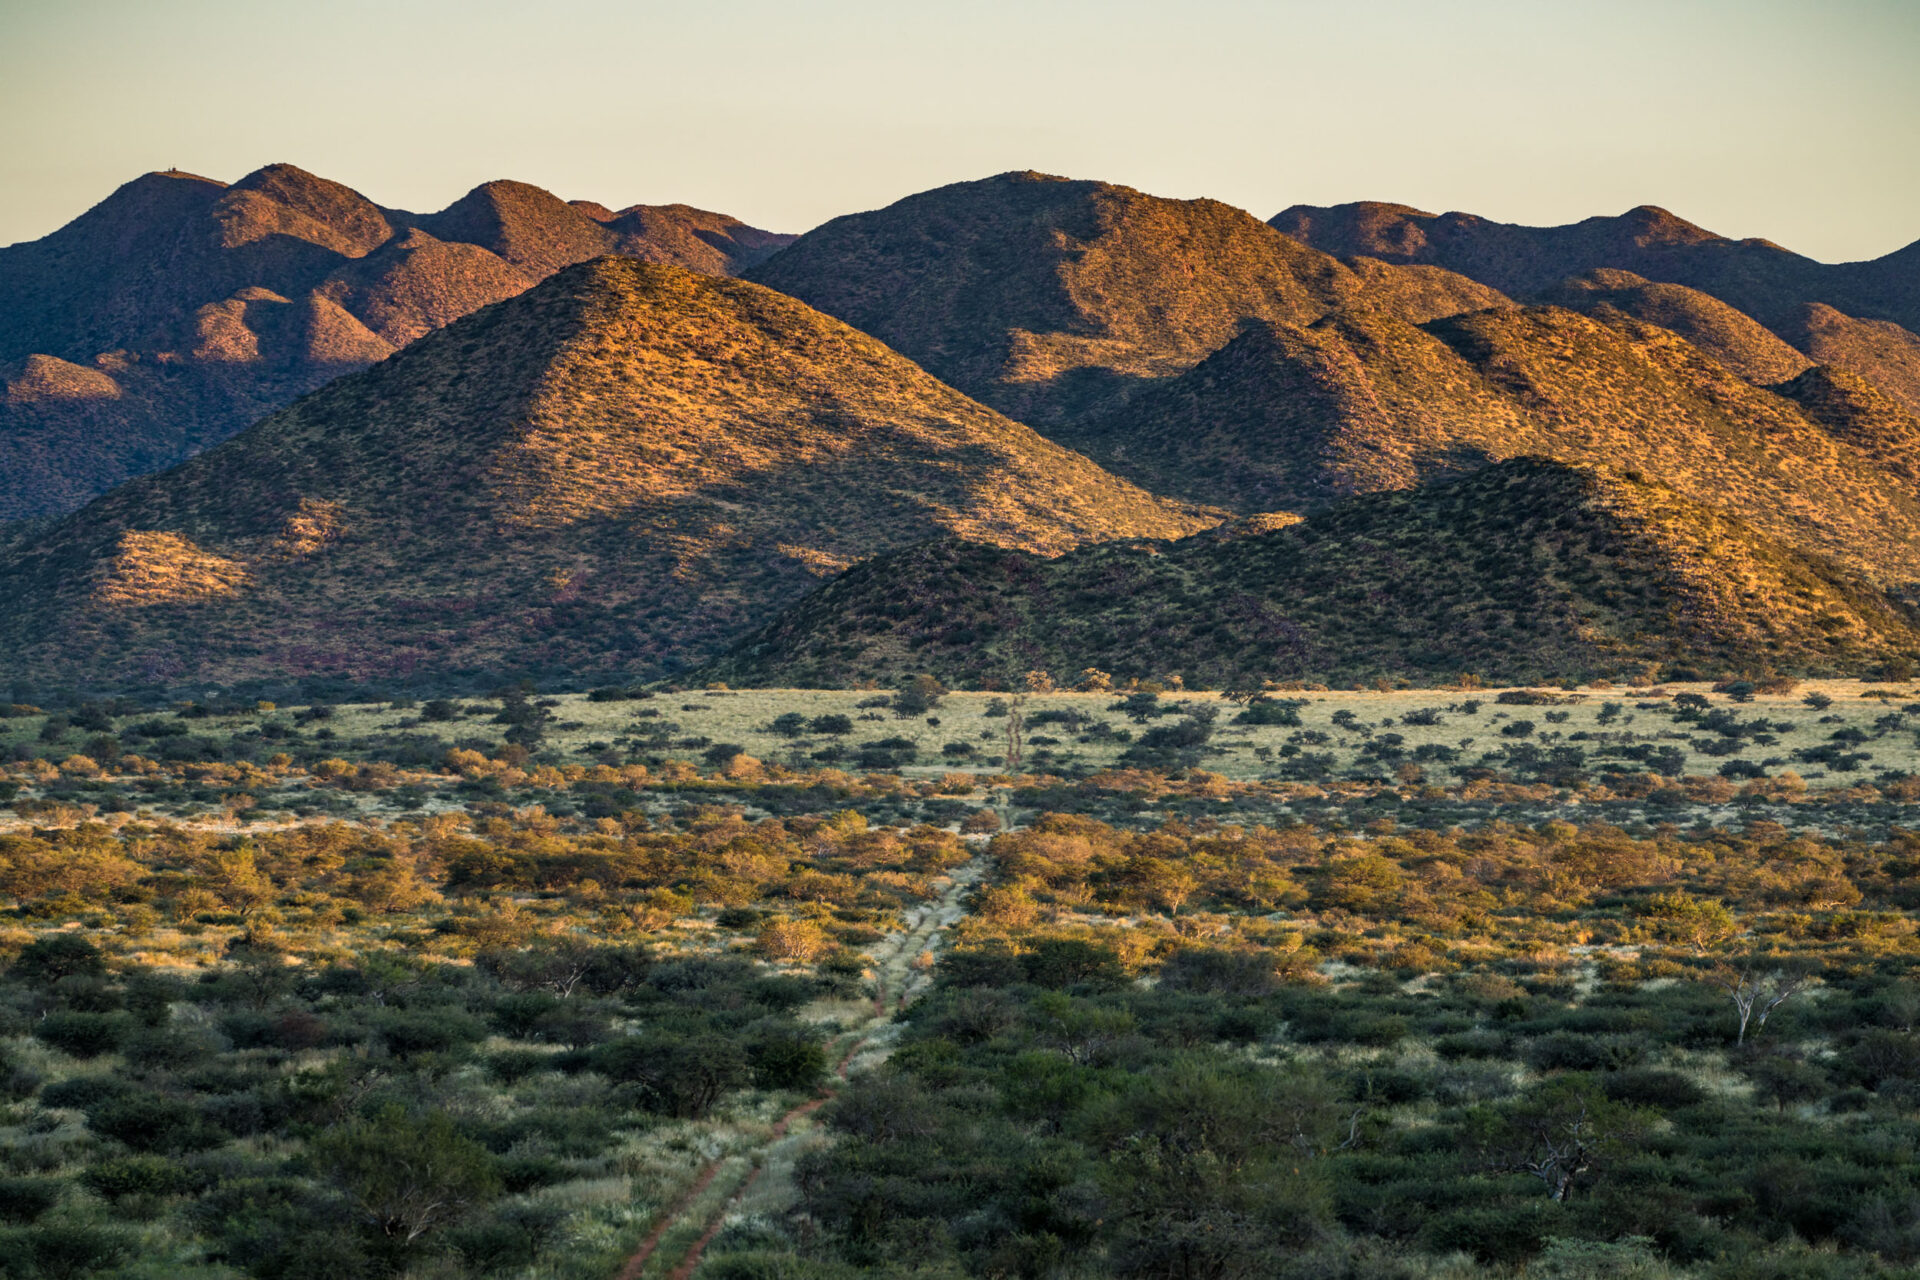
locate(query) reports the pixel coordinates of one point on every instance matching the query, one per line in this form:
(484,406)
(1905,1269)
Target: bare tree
(1759,984)
(1561,1152)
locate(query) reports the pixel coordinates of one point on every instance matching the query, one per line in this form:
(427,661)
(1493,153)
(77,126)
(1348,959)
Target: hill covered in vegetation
(1732,337)
(1524,571)
(1042,296)
(622,468)
(181,309)
(1292,418)
(1757,276)
(1861,316)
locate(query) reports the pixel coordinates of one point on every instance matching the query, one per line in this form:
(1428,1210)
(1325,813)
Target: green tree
(1211,1166)
(1563,1131)
(407,1176)
(45,961)
(918,696)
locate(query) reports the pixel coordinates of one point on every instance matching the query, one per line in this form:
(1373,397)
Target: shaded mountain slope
(1293,418)
(1042,296)
(414,283)
(1525,571)
(125,288)
(65,435)
(1881,352)
(1519,260)
(618,470)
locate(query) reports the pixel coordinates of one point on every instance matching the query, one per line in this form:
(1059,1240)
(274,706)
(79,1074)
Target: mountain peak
(156,177)
(1047,296)
(1652,225)
(361,224)
(138,273)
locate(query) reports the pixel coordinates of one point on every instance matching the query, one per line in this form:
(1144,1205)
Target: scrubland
(1142,982)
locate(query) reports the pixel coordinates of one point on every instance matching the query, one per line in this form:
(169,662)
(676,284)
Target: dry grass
(584,730)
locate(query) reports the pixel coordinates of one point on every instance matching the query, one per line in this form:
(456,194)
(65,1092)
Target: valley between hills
(1036,731)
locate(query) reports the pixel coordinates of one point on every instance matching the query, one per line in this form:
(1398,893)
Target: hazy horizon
(1751,119)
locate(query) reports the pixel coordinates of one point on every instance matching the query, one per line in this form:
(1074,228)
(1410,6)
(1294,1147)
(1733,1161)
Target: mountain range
(1862,316)
(180,310)
(522,435)
(616,471)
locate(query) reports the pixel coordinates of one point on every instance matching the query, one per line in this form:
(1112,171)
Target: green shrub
(786,1059)
(513,1235)
(84,1035)
(78,1093)
(408,1176)
(516,1014)
(408,1033)
(1652,1087)
(675,1076)
(64,1250)
(1386,1086)
(1072,962)
(529,1173)
(1232,973)
(283,1229)
(153,1122)
(1570,1051)
(1272,711)
(1473,1044)
(86,993)
(136,1176)
(24,1199)
(1500,1236)
(510,1066)
(165,1049)
(16,1080)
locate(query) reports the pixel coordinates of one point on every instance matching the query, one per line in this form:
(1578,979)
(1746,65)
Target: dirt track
(900,976)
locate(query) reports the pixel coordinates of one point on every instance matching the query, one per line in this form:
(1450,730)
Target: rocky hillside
(1861,316)
(190,307)
(1294,418)
(1732,337)
(1042,296)
(618,470)
(1526,571)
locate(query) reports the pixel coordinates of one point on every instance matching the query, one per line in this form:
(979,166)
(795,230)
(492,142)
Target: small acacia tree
(45,961)
(406,1175)
(1562,1132)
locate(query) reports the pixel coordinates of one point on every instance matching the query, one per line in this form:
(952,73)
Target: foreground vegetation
(538,987)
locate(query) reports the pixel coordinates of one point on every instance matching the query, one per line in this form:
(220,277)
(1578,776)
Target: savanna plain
(1423,982)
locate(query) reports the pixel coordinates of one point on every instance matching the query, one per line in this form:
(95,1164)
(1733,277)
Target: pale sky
(1797,120)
